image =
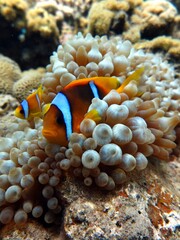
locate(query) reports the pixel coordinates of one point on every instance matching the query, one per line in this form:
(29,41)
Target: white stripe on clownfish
(94,89)
(62,103)
(25,108)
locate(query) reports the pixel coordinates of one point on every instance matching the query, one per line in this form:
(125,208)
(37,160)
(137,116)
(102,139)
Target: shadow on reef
(28,50)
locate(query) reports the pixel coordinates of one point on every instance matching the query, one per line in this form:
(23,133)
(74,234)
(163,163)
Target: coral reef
(7,103)
(154,18)
(107,15)
(136,124)
(167,44)
(23,22)
(40,21)
(144,207)
(9,74)
(29,80)
(22,25)
(135,20)
(15,82)
(14,10)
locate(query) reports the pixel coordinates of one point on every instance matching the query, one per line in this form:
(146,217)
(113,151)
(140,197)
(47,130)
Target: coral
(7,103)
(72,13)
(135,20)
(176,29)
(81,6)
(9,73)
(66,32)
(142,208)
(42,22)
(168,44)
(15,82)
(14,10)
(104,14)
(154,17)
(146,118)
(128,211)
(21,31)
(30,80)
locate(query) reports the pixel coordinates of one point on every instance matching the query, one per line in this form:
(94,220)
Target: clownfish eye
(22,111)
(59,118)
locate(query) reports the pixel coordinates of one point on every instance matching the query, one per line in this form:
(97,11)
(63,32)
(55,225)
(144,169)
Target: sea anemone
(135,124)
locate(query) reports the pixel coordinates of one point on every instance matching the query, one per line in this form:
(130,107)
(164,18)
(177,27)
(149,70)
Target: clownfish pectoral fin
(39,91)
(37,114)
(45,108)
(94,115)
(135,76)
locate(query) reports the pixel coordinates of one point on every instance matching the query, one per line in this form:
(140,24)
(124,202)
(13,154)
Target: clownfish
(31,106)
(64,114)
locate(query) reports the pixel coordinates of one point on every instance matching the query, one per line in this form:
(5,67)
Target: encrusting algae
(118,134)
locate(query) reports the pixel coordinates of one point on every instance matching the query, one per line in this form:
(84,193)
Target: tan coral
(42,22)
(156,12)
(99,21)
(154,15)
(78,6)
(102,14)
(132,18)
(168,44)
(30,80)
(7,103)
(9,74)
(14,10)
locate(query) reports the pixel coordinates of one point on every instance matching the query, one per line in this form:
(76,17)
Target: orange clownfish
(64,114)
(31,106)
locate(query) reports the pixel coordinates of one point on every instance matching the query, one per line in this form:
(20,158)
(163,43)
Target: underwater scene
(89,119)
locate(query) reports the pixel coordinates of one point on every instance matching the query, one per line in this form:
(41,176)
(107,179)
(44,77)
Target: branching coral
(142,125)
(155,13)
(168,44)
(154,18)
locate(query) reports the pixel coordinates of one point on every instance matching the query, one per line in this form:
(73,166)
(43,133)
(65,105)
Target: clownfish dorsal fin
(108,83)
(134,76)
(94,115)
